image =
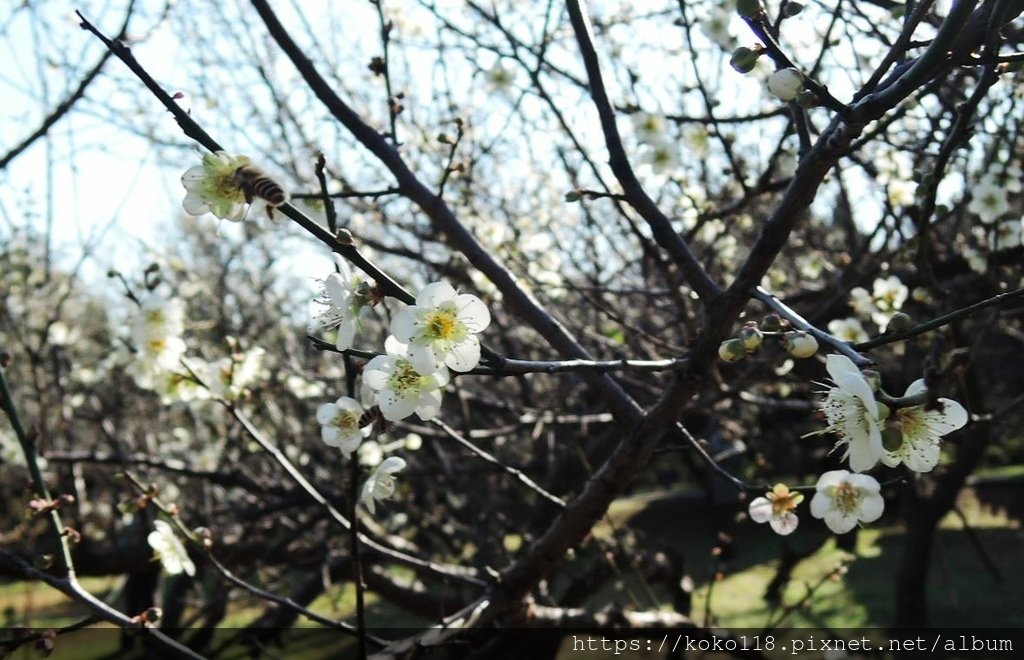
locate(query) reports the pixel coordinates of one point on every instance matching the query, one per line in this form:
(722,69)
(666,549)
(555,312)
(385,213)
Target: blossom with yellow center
(853,414)
(380,484)
(339,423)
(213,187)
(844,499)
(921,427)
(441,328)
(402,389)
(776,508)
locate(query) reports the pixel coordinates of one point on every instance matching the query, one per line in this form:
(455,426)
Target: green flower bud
(807,99)
(792,9)
(752,338)
(744,59)
(749,8)
(574,195)
(732,350)
(873,377)
(892,437)
(899,322)
(771,323)
(800,344)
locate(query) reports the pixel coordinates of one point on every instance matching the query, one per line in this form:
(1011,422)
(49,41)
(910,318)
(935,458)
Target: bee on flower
(225,185)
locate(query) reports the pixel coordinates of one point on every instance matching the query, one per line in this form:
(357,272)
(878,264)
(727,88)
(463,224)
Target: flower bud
(791,9)
(807,99)
(800,344)
(749,8)
(744,59)
(752,338)
(732,350)
(892,436)
(899,322)
(786,84)
(771,323)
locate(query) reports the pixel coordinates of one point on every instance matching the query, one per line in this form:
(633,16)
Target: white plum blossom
(441,328)
(887,297)
(786,84)
(988,199)
(339,423)
(213,188)
(500,77)
(853,414)
(155,336)
(370,453)
(1007,235)
(229,377)
(649,127)
(380,485)
(776,508)
(661,157)
(862,302)
(401,389)
(921,427)
(170,550)
(843,500)
(848,330)
(345,293)
(889,294)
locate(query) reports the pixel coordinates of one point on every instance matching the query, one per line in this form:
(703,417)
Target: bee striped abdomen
(254,183)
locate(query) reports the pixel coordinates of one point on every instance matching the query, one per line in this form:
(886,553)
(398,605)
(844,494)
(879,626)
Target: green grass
(962,592)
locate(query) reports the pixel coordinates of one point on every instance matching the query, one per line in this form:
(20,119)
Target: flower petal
(472,312)
(760,510)
(395,408)
(465,355)
(429,405)
(194,204)
(838,522)
(434,294)
(871,507)
(406,324)
(785,524)
(346,334)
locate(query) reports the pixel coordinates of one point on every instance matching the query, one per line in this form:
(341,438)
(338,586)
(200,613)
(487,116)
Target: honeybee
(255,183)
(374,416)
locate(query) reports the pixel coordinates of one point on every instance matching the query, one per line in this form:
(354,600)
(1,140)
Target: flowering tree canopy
(495,274)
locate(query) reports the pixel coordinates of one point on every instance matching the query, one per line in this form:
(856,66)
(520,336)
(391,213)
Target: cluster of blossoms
(871,432)
(156,336)
(883,302)
(436,333)
(160,364)
(990,195)
(797,343)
